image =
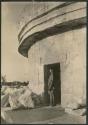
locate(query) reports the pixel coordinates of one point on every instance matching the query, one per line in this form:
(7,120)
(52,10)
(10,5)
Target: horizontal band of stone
(44,14)
(56,15)
(56,29)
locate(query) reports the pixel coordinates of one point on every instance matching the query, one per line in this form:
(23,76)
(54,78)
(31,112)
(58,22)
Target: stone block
(79,112)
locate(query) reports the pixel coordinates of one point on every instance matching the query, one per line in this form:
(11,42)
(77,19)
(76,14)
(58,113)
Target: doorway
(57,82)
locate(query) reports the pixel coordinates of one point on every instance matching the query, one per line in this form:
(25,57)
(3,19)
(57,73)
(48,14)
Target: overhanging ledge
(56,29)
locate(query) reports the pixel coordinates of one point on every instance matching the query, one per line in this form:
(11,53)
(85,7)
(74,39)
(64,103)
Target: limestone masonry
(55,33)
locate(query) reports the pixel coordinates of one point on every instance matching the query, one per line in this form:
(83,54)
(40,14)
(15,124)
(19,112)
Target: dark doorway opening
(57,82)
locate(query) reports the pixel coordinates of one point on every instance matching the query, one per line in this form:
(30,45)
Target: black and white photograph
(43,62)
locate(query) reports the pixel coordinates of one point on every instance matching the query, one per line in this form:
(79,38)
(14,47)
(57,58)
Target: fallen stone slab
(82,102)
(78,112)
(73,106)
(5,116)
(4,100)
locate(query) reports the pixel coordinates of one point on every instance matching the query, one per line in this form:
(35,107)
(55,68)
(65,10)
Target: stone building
(53,34)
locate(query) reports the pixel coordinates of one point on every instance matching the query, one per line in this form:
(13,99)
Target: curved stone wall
(69,51)
(58,36)
(61,18)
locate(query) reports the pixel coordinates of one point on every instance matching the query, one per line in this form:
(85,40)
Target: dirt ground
(47,115)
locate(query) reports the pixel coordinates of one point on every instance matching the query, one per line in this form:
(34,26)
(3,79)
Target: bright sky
(13,65)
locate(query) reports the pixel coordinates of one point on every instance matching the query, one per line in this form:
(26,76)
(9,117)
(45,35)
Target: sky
(13,65)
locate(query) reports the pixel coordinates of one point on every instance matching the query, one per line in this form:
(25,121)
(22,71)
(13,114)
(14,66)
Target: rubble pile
(26,99)
(20,98)
(38,99)
(78,108)
(14,100)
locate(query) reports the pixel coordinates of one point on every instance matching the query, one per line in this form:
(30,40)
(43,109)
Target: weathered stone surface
(60,13)
(82,102)
(73,106)
(84,112)
(70,51)
(47,46)
(78,112)
(5,100)
(13,100)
